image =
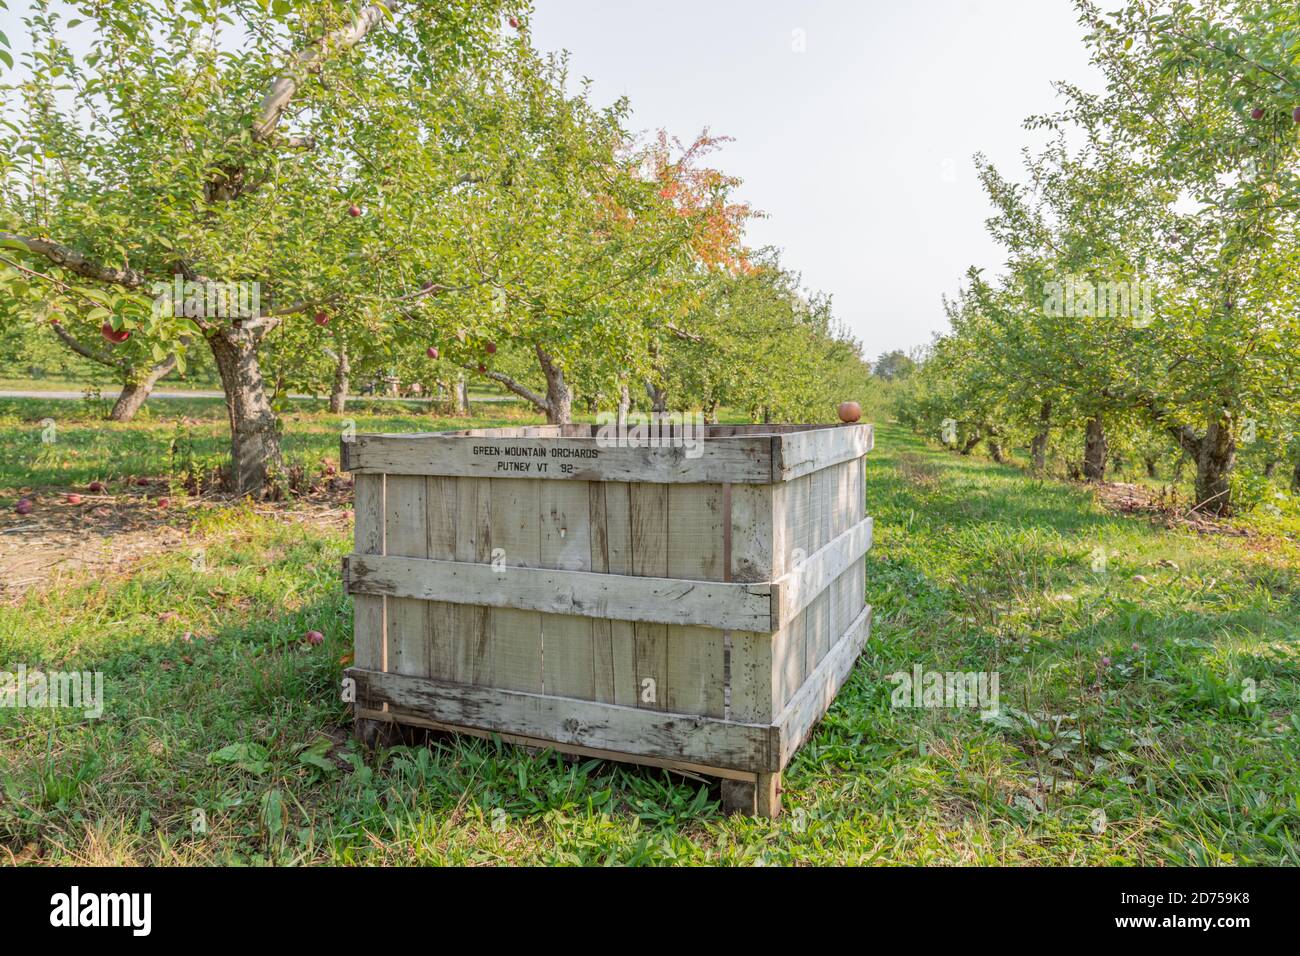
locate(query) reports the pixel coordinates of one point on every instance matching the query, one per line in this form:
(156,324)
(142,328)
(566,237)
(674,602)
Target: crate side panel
(368,627)
(405,535)
(568,654)
(696,679)
(516,539)
(648,508)
(442,620)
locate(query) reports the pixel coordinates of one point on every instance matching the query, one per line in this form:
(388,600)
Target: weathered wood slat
(696,681)
(405,534)
(796,589)
(368,630)
(795,454)
(568,654)
(687,737)
(818,692)
(585,594)
(516,540)
(618,560)
(445,647)
(519,740)
(648,509)
(742,459)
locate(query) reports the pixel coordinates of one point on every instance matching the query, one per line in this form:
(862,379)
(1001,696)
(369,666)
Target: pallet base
(750,794)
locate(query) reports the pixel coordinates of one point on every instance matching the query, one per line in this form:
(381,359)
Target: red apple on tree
(432,352)
(514,22)
(482,368)
(320,318)
(1257,113)
(354,210)
(1295,114)
(490,348)
(116,336)
(850,411)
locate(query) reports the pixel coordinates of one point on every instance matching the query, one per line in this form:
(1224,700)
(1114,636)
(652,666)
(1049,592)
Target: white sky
(859,149)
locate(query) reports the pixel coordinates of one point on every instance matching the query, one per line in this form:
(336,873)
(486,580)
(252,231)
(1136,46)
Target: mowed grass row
(1147,708)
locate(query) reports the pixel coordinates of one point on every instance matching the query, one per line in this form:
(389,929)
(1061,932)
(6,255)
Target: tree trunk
(1270,469)
(1150,462)
(1295,478)
(1215,459)
(658,398)
(624,405)
(339,393)
(137,389)
(995,451)
(1094,451)
(976,437)
(1038,447)
(711,412)
(254,432)
(559,397)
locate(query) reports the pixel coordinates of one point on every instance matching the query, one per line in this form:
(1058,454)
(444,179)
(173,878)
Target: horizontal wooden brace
(814,698)
(800,453)
(565,720)
(794,591)
(685,767)
(620,597)
(739,460)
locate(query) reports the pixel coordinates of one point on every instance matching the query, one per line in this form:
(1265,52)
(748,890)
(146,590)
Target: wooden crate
(696,609)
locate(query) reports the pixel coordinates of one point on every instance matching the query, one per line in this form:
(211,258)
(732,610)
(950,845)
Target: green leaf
(246,756)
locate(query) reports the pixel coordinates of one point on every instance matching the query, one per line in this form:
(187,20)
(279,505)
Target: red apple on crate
(850,411)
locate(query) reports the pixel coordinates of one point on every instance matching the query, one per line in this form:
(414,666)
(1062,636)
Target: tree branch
(85,351)
(523,391)
(309,60)
(82,265)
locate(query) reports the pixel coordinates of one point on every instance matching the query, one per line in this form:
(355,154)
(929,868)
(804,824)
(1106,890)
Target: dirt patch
(1163,507)
(60,543)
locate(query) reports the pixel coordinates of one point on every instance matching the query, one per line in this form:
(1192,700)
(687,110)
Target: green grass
(976,567)
(79,446)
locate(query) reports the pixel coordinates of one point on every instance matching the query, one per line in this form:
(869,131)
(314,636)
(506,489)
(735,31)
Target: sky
(854,122)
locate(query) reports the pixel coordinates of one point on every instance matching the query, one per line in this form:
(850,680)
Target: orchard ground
(1148,681)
